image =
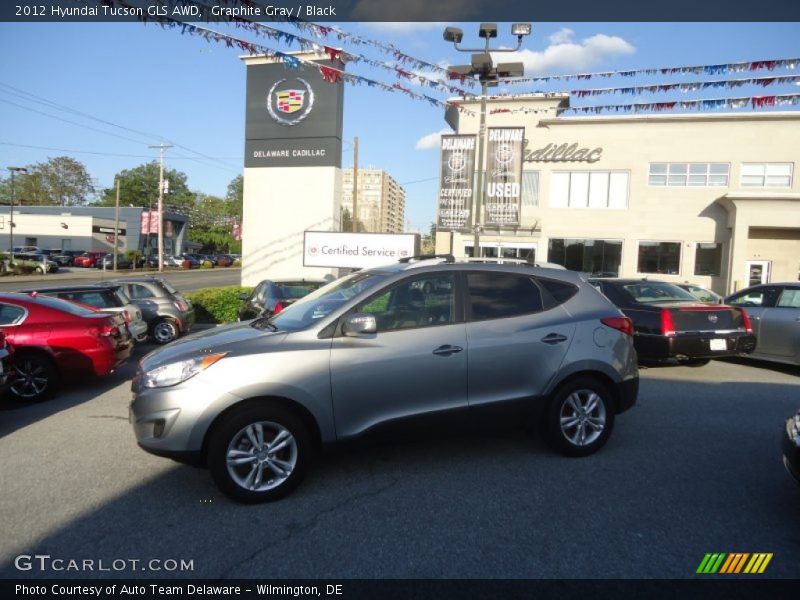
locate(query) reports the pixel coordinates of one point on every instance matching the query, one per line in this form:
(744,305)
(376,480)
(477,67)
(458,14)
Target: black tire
(697,362)
(35,377)
(232,428)
(565,439)
(164,330)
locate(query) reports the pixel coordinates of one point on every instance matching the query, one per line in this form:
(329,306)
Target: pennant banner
(690,87)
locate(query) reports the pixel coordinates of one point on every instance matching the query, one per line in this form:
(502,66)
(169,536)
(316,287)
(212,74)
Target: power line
(101,153)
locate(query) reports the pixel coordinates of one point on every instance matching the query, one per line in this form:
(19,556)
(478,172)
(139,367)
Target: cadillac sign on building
(294,118)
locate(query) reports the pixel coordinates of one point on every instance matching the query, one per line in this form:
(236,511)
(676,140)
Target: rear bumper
(628,393)
(692,346)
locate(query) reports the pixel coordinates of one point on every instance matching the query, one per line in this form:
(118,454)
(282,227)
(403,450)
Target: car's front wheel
(580,417)
(165,331)
(259,453)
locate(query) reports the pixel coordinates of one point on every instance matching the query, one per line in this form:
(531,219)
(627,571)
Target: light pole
(11,216)
(482,67)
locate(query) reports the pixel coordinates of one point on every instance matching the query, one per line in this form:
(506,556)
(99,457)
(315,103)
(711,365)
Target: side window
(501,295)
(140,291)
(559,291)
(765,297)
(420,302)
(11,315)
(790,298)
(261,293)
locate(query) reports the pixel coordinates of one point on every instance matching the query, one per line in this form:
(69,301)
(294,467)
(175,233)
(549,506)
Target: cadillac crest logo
(295,101)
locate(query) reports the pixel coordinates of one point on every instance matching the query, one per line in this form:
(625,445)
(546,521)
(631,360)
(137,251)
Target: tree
(60,181)
(235,196)
(139,187)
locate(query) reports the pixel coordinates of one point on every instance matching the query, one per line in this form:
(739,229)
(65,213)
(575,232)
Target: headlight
(177,372)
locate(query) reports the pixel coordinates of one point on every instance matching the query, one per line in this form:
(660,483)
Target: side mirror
(244,296)
(359,324)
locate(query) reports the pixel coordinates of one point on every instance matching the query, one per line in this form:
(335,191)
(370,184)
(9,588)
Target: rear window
(167,286)
(63,305)
(647,292)
(98,299)
(502,295)
(293,290)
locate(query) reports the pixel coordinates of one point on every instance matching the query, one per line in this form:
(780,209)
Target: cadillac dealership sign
(292,121)
(357,250)
(456,181)
(503,176)
(563,153)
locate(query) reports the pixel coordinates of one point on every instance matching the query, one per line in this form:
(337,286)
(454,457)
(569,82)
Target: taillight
(278,308)
(623,324)
(180,305)
(667,324)
(748,326)
(106,329)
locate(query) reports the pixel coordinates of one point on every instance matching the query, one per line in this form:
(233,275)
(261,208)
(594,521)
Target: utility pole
(355,185)
(161,147)
(11,216)
(116,225)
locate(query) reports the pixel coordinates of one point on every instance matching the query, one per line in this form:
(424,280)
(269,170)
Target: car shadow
(764,364)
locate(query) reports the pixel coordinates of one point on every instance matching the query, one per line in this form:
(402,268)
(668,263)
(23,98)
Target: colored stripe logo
(734,563)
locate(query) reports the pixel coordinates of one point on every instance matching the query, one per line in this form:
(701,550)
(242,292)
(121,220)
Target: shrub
(217,305)
(237,263)
(206,264)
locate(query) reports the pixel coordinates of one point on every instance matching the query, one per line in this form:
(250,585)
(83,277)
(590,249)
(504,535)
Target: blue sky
(182,88)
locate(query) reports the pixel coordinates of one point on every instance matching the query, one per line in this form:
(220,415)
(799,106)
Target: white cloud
(562,36)
(565,55)
(431,140)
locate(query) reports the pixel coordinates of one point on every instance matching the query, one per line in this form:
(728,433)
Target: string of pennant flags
(335,54)
(712,70)
(755,102)
(689,87)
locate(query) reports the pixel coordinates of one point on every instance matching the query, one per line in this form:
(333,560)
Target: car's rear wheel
(165,331)
(580,417)
(259,454)
(34,378)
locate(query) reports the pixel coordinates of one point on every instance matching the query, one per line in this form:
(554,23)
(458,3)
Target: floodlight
(488,30)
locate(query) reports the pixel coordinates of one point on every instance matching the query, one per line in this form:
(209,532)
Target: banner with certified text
(503,196)
(456,188)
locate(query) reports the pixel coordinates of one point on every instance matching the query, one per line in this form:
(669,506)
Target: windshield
(647,292)
(320,303)
(296,289)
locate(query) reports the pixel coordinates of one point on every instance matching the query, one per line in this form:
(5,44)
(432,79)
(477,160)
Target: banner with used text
(503,196)
(456,187)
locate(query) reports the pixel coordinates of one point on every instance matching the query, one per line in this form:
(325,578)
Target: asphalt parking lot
(694,468)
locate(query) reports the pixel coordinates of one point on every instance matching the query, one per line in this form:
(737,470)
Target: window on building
(530,188)
(601,258)
(659,257)
(500,295)
(31,241)
(689,174)
(589,189)
(522,251)
(767,174)
(708,259)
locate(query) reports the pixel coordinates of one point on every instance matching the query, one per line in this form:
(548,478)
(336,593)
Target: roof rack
(446,257)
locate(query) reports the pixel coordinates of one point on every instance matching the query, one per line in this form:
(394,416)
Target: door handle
(447,350)
(554,338)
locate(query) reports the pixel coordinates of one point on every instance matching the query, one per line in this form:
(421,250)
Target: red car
(89,259)
(54,339)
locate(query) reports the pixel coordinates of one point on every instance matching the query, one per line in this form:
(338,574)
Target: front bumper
(693,345)
(791,449)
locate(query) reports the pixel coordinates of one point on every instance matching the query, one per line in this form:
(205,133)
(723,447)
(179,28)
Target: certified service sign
(357,250)
(290,101)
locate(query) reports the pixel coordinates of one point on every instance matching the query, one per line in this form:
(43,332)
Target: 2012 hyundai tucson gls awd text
(253,400)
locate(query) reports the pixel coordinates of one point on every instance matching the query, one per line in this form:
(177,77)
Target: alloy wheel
(31,378)
(261,456)
(583,417)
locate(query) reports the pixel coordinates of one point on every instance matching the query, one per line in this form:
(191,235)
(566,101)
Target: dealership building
(709,198)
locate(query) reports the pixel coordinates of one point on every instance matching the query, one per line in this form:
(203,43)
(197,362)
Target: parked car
(64,258)
(251,400)
(223,260)
(271,296)
(107,297)
(672,325)
(88,259)
(774,310)
(6,367)
(107,262)
(791,446)
(27,250)
(55,339)
(167,313)
(38,262)
(701,293)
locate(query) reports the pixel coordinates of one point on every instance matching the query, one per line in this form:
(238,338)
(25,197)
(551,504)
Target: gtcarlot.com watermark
(48,563)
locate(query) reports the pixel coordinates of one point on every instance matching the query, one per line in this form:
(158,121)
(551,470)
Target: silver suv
(253,400)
